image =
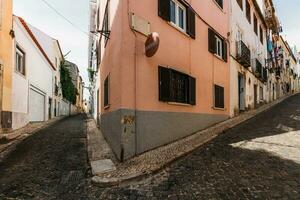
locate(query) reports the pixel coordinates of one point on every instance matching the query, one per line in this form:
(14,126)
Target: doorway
(255,96)
(241,92)
(49,108)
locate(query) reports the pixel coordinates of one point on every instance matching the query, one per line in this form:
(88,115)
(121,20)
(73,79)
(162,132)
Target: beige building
(6,66)
(79,97)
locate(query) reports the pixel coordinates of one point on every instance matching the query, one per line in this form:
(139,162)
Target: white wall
(38,73)
(239,23)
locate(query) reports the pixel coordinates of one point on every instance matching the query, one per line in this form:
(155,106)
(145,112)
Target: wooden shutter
(219,97)
(164,82)
(164,9)
(191,23)
(192,91)
(106,91)
(211,41)
(224,51)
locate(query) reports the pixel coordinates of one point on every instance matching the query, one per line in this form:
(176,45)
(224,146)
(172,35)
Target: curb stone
(206,135)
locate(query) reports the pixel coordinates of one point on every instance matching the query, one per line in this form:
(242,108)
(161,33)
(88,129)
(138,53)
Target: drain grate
(72,177)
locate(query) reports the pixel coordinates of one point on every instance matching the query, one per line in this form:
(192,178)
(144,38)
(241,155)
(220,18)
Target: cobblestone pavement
(258,159)
(51,164)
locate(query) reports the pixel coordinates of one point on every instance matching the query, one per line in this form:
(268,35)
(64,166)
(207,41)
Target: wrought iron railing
(243,54)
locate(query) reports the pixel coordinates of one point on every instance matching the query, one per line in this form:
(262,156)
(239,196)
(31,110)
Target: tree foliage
(68,89)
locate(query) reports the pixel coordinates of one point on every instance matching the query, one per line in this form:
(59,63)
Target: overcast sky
(289,16)
(36,13)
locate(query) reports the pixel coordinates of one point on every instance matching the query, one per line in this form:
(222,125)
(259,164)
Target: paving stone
(102,166)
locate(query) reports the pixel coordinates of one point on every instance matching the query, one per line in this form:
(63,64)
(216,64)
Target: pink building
(147,102)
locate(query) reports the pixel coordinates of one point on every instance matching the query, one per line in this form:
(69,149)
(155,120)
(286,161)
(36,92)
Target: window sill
(222,9)
(221,109)
(178,104)
(218,57)
(107,107)
(20,74)
(179,29)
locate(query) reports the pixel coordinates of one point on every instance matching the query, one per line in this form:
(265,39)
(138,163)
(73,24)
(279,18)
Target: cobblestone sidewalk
(150,162)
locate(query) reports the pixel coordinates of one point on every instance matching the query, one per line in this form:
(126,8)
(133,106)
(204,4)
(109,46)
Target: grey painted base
(130,133)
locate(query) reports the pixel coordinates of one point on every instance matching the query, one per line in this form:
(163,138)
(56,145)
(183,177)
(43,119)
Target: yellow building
(6,63)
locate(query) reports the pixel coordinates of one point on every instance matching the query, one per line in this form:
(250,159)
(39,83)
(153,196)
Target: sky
(36,13)
(289,16)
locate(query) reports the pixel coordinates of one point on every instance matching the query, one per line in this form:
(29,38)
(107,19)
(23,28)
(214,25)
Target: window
(106,92)
(217,45)
(219,97)
(240,3)
(220,3)
(176,87)
(179,14)
(261,33)
(20,61)
(255,24)
(248,11)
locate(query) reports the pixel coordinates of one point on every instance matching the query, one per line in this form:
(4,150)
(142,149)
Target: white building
(52,48)
(32,78)
(94,76)
(35,96)
(248,75)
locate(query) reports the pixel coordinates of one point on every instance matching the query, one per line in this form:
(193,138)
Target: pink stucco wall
(134,77)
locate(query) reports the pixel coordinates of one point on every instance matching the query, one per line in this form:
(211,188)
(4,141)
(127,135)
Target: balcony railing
(265,75)
(278,73)
(258,68)
(243,54)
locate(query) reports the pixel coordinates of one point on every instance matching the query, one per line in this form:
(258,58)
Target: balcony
(272,20)
(265,75)
(278,73)
(258,69)
(243,54)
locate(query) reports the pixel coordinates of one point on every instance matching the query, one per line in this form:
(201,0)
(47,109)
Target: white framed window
(219,47)
(178,14)
(20,61)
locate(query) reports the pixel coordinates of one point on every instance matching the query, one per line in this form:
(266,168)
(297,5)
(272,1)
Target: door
(50,108)
(58,109)
(241,92)
(36,106)
(55,108)
(255,95)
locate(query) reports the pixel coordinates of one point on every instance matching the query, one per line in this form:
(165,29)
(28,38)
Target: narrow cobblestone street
(259,159)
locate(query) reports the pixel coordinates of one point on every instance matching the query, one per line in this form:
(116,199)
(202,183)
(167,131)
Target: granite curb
(153,161)
(17,136)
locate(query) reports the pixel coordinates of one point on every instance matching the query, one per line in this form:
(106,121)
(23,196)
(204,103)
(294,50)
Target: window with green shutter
(176,87)
(219,97)
(178,14)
